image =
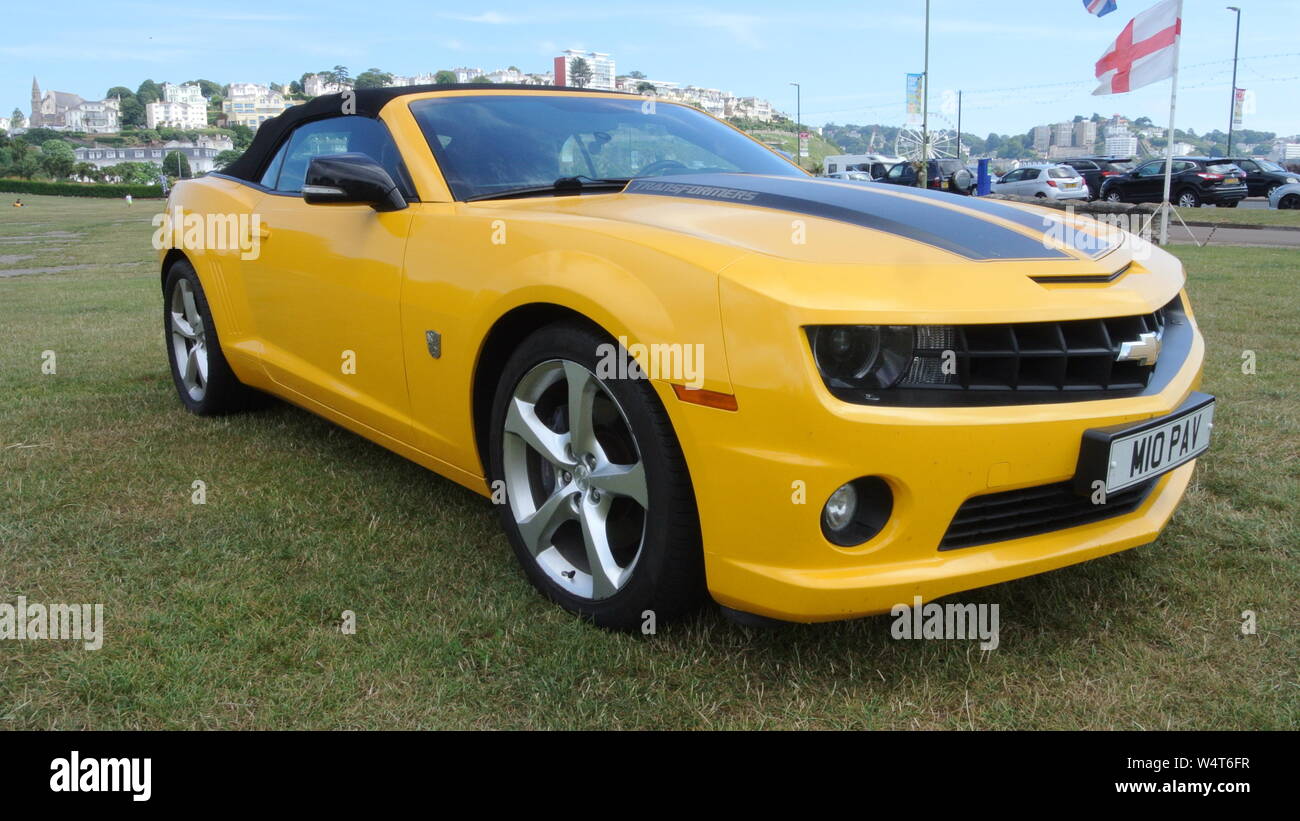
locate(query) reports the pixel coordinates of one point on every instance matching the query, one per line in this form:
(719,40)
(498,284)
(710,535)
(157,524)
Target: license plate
(1229,180)
(1128,455)
(1071,185)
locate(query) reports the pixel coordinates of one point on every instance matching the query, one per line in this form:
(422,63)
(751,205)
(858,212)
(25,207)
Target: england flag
(1099,7)
(1145,51)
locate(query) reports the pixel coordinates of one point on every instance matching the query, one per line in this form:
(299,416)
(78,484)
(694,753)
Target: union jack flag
(1099,7)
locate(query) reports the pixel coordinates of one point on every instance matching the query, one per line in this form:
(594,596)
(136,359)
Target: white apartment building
(467,75)
(1121,143)
(1042,138)
(314,85)
(4,124)
(251,104)
(601,64)
(94,117)
(182,106)
(1284,151)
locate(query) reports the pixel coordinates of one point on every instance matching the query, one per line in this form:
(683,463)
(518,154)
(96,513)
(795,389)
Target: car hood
(822,220)
(804,238)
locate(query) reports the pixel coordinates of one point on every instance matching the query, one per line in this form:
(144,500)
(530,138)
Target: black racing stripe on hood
(962,233)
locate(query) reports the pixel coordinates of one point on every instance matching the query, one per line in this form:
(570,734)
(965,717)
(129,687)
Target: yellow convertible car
(679,365)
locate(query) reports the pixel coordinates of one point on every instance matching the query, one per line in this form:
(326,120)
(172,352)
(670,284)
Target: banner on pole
(915,91)
(1239,96)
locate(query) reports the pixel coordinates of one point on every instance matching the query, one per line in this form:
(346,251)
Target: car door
(324,288)
(1148,183)
(1256,182)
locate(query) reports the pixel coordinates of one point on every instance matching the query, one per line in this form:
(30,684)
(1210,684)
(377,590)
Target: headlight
(862,356)
(1291,180)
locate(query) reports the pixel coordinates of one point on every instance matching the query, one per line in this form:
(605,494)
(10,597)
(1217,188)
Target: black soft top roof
(368,102)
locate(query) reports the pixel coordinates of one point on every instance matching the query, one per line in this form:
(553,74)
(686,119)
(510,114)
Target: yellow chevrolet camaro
(680,365)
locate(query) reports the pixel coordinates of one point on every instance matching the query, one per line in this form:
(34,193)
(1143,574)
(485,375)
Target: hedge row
(79,189)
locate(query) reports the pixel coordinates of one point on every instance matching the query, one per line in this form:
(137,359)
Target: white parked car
(1285,196)
(853,176)
(1052,182)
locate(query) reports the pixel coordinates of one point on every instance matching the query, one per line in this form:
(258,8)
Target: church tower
(35,120)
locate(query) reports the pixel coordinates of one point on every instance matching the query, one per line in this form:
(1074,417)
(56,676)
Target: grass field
(226,615)
(1271,217)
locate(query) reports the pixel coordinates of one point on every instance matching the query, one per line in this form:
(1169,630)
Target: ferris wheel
(909,144)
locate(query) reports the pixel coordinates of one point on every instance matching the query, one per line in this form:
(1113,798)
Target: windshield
(496,144)
(1222,168)
(1269,165)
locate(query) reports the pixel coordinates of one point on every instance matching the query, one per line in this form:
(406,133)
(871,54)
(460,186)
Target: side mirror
(353,179)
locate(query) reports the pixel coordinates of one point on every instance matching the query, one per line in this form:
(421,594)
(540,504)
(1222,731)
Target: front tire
(599,508)
(204,381)
(1113,196)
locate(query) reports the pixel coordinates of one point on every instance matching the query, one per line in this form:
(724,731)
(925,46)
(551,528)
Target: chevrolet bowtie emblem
(1145,351)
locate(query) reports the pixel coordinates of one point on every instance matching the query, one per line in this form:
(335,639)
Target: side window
(1151,168)
(339,135)
(1248,166)
(1180,167)
(273,170)
(832,168)
(896,173)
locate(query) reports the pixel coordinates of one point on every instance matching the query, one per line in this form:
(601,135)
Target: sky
(1019,64)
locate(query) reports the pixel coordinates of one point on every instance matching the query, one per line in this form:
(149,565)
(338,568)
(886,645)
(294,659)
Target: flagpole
(1169,138)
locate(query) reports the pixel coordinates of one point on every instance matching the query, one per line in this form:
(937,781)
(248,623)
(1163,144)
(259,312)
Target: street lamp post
(798,117)
(923,173)
(1232,109)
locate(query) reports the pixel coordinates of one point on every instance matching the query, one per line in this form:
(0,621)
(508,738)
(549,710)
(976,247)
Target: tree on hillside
(133,173)
(207,88)
(177,164)
(242,136)
(373,78)
(17,120)
(480,78)
(87,171)
(579,73)
(636,75)
(120,92)
(337,75)
(57,159)
(132,113)
(226,158)
(148,92)
(645,88)
(445,78)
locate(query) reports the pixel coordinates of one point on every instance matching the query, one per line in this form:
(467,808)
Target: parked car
(1285,196)
(1196,181)
(853,176)
(944,175)
(1262,176)
(1097,169)
(1052,182)
(525,291)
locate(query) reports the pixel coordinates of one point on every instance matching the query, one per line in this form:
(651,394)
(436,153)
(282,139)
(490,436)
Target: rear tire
(204,381)
(1113,196)
(599,509)
(1187,198)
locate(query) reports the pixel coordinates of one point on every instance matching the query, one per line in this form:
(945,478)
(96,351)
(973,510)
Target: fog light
(857,511)
(840,508)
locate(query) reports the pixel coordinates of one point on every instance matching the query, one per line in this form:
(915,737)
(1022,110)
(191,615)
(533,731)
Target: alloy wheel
(189,340)
(575,479)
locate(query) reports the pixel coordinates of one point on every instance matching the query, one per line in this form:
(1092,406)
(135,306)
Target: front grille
(1015,514)
(1032,357)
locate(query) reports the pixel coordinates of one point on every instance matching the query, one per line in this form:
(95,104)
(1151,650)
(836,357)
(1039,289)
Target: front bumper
(763,473)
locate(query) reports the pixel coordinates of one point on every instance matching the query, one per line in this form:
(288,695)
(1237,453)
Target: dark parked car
(1095,170)
(1196,181)
(944,175)
(1263,176)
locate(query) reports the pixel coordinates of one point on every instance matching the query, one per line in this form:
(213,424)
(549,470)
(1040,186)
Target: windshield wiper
(564,186)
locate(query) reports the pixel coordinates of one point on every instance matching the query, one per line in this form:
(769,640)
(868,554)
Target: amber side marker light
(709,399)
